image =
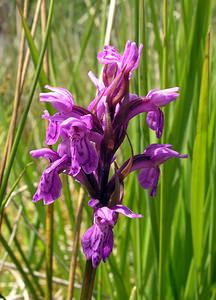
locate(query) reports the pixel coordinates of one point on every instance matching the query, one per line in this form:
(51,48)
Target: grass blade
(25,113)
(198,191)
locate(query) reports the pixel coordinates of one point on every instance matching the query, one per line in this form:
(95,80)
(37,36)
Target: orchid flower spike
(87,139)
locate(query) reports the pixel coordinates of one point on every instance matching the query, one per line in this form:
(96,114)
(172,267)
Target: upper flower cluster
(87,140)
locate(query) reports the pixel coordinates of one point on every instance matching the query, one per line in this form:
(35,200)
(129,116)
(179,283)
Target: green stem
(143,79)
(88,282)
(158,42)
(161,241)
(49,251)
(99,284)
(165,46)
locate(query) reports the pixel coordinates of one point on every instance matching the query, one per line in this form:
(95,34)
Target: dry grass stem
(16,102)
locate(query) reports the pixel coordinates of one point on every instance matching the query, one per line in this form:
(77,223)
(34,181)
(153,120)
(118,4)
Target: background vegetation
(171,252)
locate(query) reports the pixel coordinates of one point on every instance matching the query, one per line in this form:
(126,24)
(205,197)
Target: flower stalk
(88,282)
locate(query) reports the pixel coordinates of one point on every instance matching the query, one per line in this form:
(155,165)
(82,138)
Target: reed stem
(75,246)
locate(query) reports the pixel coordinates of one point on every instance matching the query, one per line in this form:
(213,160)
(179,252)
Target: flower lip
(78,143)
(49,188)
(155,121)
(148,179)
(98,240)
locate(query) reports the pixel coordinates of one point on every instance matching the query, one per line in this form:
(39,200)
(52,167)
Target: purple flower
(98,240)
(163,97)
(62,101)
(109,56)
(77,144)
(53,129)
(148,179)
(60,98)
(148,162)
(128,61)
(155,121)
(158,154)
(88,140)
(49,188)
(131,56)
(133,105)
(47,153)
(116,75)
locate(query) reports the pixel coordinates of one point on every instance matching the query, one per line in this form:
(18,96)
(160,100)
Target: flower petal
(47,153)
(124,210)
(97,243)
(86,155)
(155,121)
(148,179)
(105,216)
(53,129)
(94,203)
(163,97)
(161,152)
(109,55)
(75,165)
(60,98)
(99,85)
(87,242)
(131,56)
(108,244)
(49,187)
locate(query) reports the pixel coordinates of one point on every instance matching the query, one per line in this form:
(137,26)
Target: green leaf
(198,192)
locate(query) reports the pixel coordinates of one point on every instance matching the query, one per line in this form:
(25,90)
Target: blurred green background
(171,252)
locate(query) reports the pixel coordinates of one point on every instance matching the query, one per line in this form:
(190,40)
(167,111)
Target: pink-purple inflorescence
(89,138)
